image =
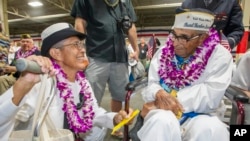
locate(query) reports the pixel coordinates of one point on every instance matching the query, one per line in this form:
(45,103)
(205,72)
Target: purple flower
(77,123)
(178,78)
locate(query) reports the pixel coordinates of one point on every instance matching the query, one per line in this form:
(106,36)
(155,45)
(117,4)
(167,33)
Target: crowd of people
(187,76)
(10,76)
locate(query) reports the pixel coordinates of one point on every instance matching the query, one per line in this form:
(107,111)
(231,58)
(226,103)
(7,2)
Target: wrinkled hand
(123,115)
(168,102)
(147,107)
(46,67)
(9,69)
(27,80)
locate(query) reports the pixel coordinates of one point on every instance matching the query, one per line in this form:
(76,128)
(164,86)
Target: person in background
(12,50)
(186,83)
(228,17)
(63,55)
(130,50)
(241,75)
(143,47)
(27,48)
(154,46)
(105,24)
(158,44)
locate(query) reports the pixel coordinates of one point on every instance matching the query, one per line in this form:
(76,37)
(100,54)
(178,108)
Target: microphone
(27,65)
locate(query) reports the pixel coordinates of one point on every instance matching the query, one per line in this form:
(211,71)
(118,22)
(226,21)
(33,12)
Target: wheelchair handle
(135,84)
(234,93)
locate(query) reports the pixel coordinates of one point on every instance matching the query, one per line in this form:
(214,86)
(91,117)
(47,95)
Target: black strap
(122,7)
(78,106)
(207,2)
(112,12)
(65,122)
(66,126)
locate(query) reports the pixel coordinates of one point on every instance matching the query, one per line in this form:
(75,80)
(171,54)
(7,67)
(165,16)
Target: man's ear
(55,54)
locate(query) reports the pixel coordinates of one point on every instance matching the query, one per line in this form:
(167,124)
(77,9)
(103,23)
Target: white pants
(162,125)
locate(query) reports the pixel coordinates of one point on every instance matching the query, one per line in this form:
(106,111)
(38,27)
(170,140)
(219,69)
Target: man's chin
(181,55)
(84,65)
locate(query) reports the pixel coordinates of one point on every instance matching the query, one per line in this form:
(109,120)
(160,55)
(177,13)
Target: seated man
(186,83)
(241,79)
(67,59)
(27,49)
(241,75)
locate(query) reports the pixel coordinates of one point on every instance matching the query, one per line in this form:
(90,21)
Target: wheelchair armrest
(236,94)
(134,84)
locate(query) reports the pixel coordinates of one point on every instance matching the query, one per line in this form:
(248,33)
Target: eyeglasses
(183,38)
(78,44)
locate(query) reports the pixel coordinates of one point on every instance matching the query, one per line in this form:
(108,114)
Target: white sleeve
(102,117)
(8,110)
(241,76)
(205,94)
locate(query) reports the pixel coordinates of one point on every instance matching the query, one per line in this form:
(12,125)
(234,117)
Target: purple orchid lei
(178,78)
(21,54)
(76,123)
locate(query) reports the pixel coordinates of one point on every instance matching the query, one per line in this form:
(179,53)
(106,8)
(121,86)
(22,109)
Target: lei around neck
(77,123)
(21,54)
(176,78)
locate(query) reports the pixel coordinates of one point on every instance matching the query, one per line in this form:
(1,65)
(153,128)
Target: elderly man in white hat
(74,105)
(186,83)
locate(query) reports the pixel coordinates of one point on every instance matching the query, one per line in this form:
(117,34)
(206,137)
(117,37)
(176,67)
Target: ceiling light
(35,4)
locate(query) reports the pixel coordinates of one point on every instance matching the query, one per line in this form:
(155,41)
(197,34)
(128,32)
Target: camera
(125,24)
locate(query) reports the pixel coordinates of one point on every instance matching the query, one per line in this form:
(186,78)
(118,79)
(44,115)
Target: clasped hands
(164,101)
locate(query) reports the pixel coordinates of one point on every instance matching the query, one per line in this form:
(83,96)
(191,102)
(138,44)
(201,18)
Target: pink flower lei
(178,78)
(21,54)
(76,123)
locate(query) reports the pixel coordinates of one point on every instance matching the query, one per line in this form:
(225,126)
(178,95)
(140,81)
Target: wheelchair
(240,111)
